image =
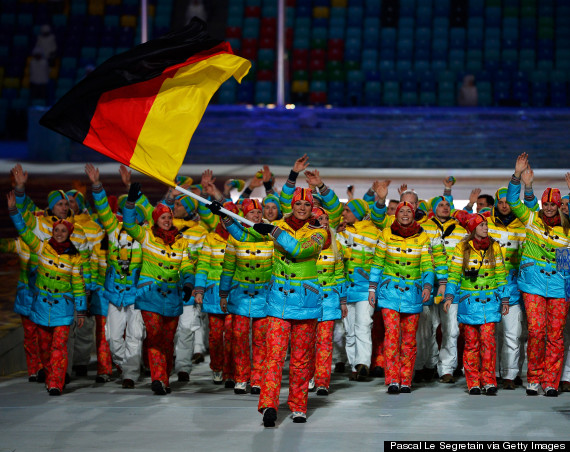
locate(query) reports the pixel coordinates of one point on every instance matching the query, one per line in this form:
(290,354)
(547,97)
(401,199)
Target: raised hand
(521,164)
(92,173)
(527,176)
(313,178)
(381,189)
(20,177)
(474,196)
(266,174)
(207,178)
(125,173)
(255,182)
(301,164)
(448,182)
(134,192)
(402,188)
(11,198)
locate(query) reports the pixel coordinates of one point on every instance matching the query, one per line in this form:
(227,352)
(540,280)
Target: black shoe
(33,378)
(377,372)
(103,378)
(158,388)
(457,373)
(80,371)
(41,376)
(229,384)
(299,418)
(54,392)
(518,381)
(339,368)
(323,392)
(183,376)
(491,390)
(429,374)
(405,390)
(475,391)
(168,390)
(255,390)
(418,376)
(67,378)
(393,389)
(551,392)
(269,417)
(128,383)
(197,358)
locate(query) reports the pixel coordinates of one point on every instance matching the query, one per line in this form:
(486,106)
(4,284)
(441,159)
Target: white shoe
(312,384)
(299,417)
(240,387)
(532,388)
(217,377)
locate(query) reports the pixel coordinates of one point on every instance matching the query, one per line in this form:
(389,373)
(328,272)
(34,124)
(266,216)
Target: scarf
(505,219)
(222,232)
(552,221)
(62,247)
(295,223)
(405,231)
(481,244)
(168,237)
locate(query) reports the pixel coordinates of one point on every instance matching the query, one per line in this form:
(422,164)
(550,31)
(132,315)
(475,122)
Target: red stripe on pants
(53,354)
(378,340)
(31,346)
(400,355)
(220,341)
(104,361)
(303,334)
(545,349)
(160,332)
(479,355)
(323,355)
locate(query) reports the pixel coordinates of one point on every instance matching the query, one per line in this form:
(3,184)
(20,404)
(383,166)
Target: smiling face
(254,215)
(61,209)
(302,209)
(482,230)
(550,209)
(60,233)
(324,220)
(503,207)
(405,216)
(270,211)
(164,221)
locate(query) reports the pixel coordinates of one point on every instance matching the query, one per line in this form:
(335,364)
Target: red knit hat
(405,204)
(159,210)
(552,195)
(69,226)
(317,212)
(474,220)
(249,204)
(302,194)
(231,207)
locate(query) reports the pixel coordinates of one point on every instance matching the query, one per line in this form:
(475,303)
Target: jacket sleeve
(454,274)
(27,208)
(369,197)
(241,233)
(501,274)
(332,205)
(25,231)
(188,267)
(439,259)
(203,267)
(530,200)
(339,273)
(209,219)
(304,248)
(8,246)
(427,267)
(377,267)
(228,269)
(106,216)
(78,286)
(521,211)
(136,231)
(378,215)
(286,196)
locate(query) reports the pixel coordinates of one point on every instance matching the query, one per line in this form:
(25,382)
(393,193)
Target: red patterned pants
(323,355)
(160,332)
(104,361)
(400,347)
(545,349)
(378,340)
(246,369)
(303,334)
(220,341)
(31,346)
(479,355)
(53,354)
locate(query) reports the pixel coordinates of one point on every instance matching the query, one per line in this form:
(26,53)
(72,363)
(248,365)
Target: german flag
(142,107)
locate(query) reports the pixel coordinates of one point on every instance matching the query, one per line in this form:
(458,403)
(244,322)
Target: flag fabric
(141,107)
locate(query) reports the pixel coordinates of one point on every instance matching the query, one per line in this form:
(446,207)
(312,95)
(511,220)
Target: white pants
(127,351)
(339,343)
(449,333)
(509,344)
(427,354)
(566,369)
(188,323)
(201,335)
(358,326)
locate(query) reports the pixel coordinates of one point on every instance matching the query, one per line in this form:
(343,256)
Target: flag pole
(206,202)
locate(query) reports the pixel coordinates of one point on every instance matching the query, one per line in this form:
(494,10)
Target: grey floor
(201,416)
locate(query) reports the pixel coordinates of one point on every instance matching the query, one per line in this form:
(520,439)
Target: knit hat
(358,207)
(249,204)
(552,195)
(139,209)
(231,207)
(302,194)
(434,202)
(275,200)
(317,212)
(189,204)
(405,204)
(159,210)
(79,199)
(567,197)
(55,196)
(484,210)
(501,193)
(183,180)
(68,225)
(424,206)
(318,198)
(474,220)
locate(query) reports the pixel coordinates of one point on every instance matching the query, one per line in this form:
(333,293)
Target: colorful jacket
(209,271)
(60,289)
(359,243)
(25,288)
(479,297)
(195,232)
(245,276)
(332,205)
(511,239)
(165,268)
(124,256)
(332,278)
(537,271)
(401,269)
(99,303)
(294,290)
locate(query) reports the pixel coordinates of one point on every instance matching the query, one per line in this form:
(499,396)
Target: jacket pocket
(310,288)
(463,298)
(364,274)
